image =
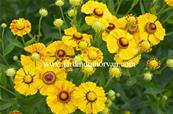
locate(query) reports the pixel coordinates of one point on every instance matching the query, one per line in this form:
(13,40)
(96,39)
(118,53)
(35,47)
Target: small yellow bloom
(26,81)
(15,112)
(150,29)
(59,3)
(148,76)
(75,2)
(88,70)
(58,50)
(92,98)
(72,12)
(61,98)
(4,25)
(20,27)
(115,72)
(169,63)
(153,63)
(92,55)
(73,38)
(58,23)
(169,2)
(10,72)
(43,12)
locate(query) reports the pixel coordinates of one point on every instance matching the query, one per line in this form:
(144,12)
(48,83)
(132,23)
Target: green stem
(3,58)
(62,13)
(84,78)
(3,30)
(60,32)
(168,17)
(39,28)
(9,91)
(109,80)
(23,40)
(142,7)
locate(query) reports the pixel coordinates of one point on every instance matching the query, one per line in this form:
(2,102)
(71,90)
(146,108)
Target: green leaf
(9,48)
(30,41)
(131,81)
(135,2)
(170,54)
(4,106)
(15,42)
(142,7)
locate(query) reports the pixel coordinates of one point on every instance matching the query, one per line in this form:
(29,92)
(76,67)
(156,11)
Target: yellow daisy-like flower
(122,43)
(76,39)
(59,51)
(112,25)
(97,11)
(92,98)
(20,27)
(15,112)
(92,55)
(153,63)
(48,76)
(61,99)
(37,54)
(151,29)
(25,81)
(169,2)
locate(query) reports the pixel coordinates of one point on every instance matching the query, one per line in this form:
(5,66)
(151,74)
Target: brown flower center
(77,36)
(132,28)
(28,79)
(49,77)
(64,96)
(111,27)
(60,53)
(98,12)
(151,28)
(91,96)
(123,43)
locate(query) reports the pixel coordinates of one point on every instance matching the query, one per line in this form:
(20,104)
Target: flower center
(28,79)
(49,77)
(64,96)
(111,27)
(92,54)
(98,12)
(35,56)
(91,96)
(151,28)
(123,42)
(132,28)
(77,36)
(20,25)
(60,53)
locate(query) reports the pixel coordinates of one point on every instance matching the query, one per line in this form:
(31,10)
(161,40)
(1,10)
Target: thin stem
(84,78)
(109,80)
(62,13)
(23,40)
(9,91)
(39,28)
(3,30)
(60,32)
(3,58)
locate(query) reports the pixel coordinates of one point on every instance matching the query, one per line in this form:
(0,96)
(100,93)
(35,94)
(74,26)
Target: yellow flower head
(58,50)
(48,76)
(150,29)
(25,81)
(169,2)
(37,54)
(74,38)
(92,55)
(20,27)
(97,11)
(115,72)
(153,63)
(61,98)
(88,70)
(15,112)
(92,98)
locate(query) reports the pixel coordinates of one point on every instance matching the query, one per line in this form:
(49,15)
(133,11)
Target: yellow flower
(88,70)
(26,80)
(151,29)
(20,27)
(169,63)
(115,72)
(37,54)
(61,99)
(97,11)
(153,63)
(48,76)
(15,112)
(59,51)
(92,55)
(92,98)
(169,2)
(112,25)
(73,38)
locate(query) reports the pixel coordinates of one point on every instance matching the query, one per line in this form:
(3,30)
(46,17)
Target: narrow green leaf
(15,42)
(9,48)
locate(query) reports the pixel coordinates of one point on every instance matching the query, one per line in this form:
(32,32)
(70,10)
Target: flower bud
(109,103)
(115,72)
(127,112)
(75,2)
(59,3)
(148,76)
(35,56)
(98,27)
(169,63)
(165,98)
(10,72)
(83,45)
(4,25)
(111,93)
(88,70)
(72,13)
(92,54)
(118,95)
(78,59)
(58,23)
(105,111)
(43,12)
(15,58)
